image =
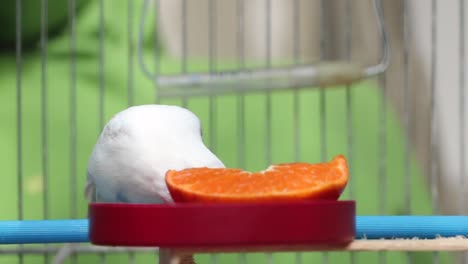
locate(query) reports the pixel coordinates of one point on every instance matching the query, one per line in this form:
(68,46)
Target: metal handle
(321,74)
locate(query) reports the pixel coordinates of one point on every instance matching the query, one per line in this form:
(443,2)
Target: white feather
(136,149)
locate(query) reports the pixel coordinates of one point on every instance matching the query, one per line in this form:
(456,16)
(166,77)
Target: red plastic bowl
(319,224)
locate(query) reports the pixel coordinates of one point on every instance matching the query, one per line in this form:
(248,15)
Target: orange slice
(278,183)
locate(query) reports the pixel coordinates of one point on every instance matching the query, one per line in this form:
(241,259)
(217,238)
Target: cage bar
(19,119)
(461,103)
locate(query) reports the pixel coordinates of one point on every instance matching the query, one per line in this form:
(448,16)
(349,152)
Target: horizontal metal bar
(369,227)
(322,74)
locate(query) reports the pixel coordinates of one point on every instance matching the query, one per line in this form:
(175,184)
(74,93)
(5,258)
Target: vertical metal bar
(323,116)
(130,87)
(214,258)
(212,68)
(44,143)
(323,29)
(269,256)
(130,53)
(44,106)
(407,100)
(349,108)
(72,114)
(268,93)
(184,102)
(212,35)
(323,52)
(296,101)
(241,97)
(382,183)
(101,69)
(101,65)
(268,96)
(462,106)
(407,111)
(19,116)
(184,45)
(406,96)
(102,258)
(434,126)
(131,257)
(157,59)
(184,36)
(349,94)
(72,101)
(406,106)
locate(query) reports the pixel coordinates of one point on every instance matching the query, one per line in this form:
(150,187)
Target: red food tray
(319,224)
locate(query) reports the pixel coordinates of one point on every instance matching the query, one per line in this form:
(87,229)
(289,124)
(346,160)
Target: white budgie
(133,153)
(136,149)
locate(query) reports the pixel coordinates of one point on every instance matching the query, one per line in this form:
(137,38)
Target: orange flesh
(282,182)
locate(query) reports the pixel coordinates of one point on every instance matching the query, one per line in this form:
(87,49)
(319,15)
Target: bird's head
(160,133)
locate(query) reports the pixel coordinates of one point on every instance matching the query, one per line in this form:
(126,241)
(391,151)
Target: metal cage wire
(215,83)
(299,76)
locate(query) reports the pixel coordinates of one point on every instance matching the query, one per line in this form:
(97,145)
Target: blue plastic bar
(375,227)
(370,227)
(44,231)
